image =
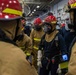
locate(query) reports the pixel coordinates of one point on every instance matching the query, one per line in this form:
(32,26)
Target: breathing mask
(37,27)
(48,28)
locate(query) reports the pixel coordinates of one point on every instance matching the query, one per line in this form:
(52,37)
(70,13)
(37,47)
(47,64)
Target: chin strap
(17,28)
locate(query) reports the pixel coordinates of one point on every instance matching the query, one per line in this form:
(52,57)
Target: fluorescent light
(33,12)
(34,9)
(38,6)
(43,21)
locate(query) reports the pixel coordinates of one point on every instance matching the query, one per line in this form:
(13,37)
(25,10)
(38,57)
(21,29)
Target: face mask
(38,28)
(47,29)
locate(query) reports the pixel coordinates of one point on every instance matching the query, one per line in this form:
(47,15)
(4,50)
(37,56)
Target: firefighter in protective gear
(72,62)
(36,35)
(25,45)
(51,45)
(12,58)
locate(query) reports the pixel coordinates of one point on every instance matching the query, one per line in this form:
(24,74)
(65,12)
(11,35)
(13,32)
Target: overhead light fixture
(43,21)
(34,9)
(33,12)
(38,6)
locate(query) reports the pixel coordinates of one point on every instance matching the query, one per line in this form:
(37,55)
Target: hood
(9,27)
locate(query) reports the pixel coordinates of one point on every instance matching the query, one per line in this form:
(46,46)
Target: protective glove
(39,58)
(59,70)
(39,64)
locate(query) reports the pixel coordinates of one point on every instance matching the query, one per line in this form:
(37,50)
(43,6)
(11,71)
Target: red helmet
(10,9)
(37,21)
(50,19)
(72,3)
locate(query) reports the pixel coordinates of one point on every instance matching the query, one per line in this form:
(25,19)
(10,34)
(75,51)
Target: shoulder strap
(43,37)
(56,40)
(42,42)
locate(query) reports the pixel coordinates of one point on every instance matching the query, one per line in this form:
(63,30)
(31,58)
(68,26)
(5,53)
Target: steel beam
(33,2)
